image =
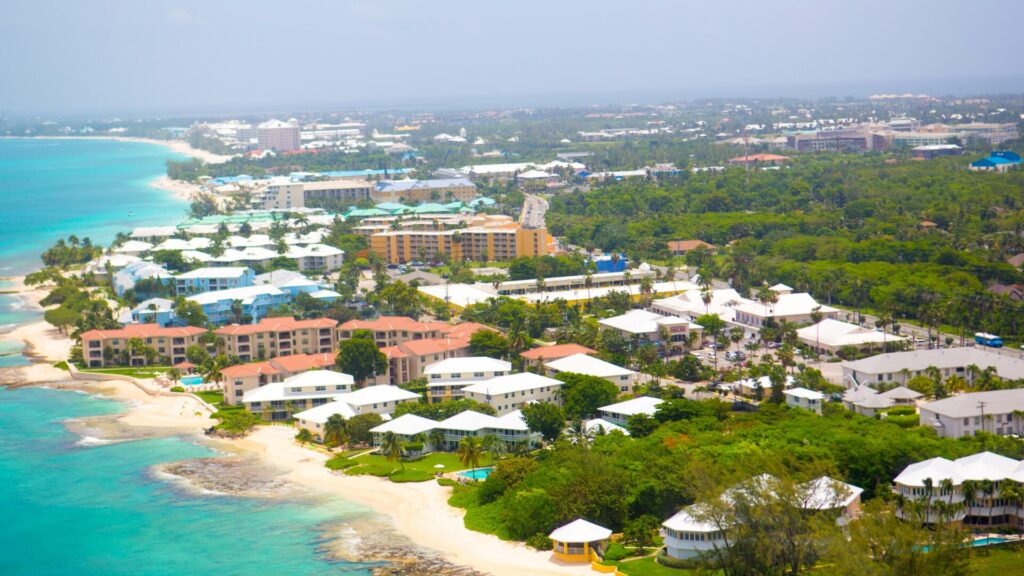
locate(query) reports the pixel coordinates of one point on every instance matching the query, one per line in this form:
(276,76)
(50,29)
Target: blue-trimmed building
(998,161)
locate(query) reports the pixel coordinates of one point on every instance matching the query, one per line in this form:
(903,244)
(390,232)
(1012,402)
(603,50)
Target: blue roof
(403,185)
(1007,154)
(992,161)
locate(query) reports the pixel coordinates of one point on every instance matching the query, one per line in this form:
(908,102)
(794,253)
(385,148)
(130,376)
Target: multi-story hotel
(278,136)
(283,194)
(108,347)
(440,190)
(241,378)
(277,337)
(486,239)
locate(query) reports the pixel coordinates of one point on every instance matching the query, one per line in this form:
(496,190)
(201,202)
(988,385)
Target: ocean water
(96,188)
(98,509)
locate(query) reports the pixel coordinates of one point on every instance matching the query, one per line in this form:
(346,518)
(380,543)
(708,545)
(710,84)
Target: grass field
(998,561)
(648,567)
(210,396)
(424,468)
(139,372)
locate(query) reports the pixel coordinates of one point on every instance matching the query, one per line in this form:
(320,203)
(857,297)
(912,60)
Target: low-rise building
(447,378)
(803,398)
(830,336)
(492,239)
(511,392)
(897,368)
(437,190)
(681,247)
(126,278)
(620,412)
(280,400)
(623,378)
(154,311)
(241,378)
(652,327)
(212,279)
(240,304)
(538,356)
(794,308)
(278,336)
(115,347)
(408,427)
(867,401)
(284,194)
(996,412)
(316,257)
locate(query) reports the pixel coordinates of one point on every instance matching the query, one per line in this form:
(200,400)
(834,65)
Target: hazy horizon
(190,57)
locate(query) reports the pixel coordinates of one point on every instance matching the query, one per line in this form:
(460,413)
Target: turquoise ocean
(98,509)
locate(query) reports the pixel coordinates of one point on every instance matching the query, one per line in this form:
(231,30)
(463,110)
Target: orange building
(109,347)
(486,239)
(276,336)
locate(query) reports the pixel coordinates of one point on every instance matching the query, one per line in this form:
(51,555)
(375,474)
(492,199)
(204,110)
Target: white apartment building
(900,367)
(620,412)
(511,392)
(623,378)
(447,378)
(996,412)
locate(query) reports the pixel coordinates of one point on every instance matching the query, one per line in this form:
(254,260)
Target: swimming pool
(191,380)
(477,474)
(988,541)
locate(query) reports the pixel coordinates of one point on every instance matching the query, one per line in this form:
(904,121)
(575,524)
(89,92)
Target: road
(534,209)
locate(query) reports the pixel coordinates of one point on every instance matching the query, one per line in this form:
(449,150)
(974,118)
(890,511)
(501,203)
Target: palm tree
(646,288)
(392,447)
(588,283)
(237,310)
(670,273)
(436,437)
(336,430)
(212,372)
(492,445)
(470,450)
(988,488)
(816,317)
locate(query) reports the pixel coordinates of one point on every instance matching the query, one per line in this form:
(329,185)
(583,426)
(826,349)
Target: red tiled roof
(687,245)
(388,323)
(143,331)
(184,365)
(302,362)
(276,325)
(758,158)
(433,345)
(555,352)
(466,329)
(394,352)
(250,369)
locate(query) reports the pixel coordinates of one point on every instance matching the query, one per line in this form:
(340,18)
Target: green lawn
(648,567)
(138,372)
(999,561)
(213,397)
(377,465)
(479,517)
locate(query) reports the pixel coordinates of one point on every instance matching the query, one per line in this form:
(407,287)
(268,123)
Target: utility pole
(981,406)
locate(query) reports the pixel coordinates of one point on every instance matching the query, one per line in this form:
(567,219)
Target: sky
(207,56)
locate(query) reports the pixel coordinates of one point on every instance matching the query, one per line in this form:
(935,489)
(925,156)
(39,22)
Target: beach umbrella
(438,465)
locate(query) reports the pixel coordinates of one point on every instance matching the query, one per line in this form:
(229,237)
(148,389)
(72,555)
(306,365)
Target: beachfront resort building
(447,378)
(996,412)
(394,330)
(241,378)
(409,428)
(213,279)
(279,400)
(510,429)
(126,278)
(277,337)
(513,391)
(284,194)
(623,378)
(153,311)
(439,190)
(897,368)
(485,239)
(951,481)
(240,304)
(695,531)
(138,345)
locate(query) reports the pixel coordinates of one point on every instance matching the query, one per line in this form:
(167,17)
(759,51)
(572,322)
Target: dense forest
(915,239)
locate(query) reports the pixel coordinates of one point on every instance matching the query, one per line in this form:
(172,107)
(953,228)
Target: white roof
(161,304)
(639,405)
(804,393)
(1007,367)
(986,466)
(640,322)
(321,413)
(406,425)
(580,530)
(281,277)
(196,255)
(796,304)
(377,395)
(598,424)
(320,378)
(321,250)
(512,421)
(901,393)
(134,246)
(280,391)
(827,493)
(153,231)
(584,364)
(937,469)
(691,303)
(836,334)
(966,405)
(780,287)
(682,521)
(223,272)
(179,244)
(247,254)
(468,421)
(511,383)
(765,382)
(246,294)
(467,364)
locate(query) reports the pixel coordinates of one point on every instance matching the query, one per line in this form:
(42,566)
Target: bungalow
(803,398)
(620,412)
(579,541)
(681,247)
(407,427)
(623,378)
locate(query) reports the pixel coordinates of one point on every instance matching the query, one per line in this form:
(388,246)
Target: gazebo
(575,541)
(185,367)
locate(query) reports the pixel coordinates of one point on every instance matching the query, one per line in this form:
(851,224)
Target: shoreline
(178,146)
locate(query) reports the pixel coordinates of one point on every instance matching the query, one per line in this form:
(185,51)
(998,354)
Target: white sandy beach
(420,510)
(184,190)
(179,146)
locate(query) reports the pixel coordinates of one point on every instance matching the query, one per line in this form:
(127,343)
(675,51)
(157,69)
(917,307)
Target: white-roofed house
(598,426)
(649,327)
(900,367)
(463,425)
(315,419)
(579,540)
(134,247)
(996,412)
(513,391)
(211,279)
(256,301)
(154,311)
(153,234)
(407,427)
(795,308)
(279,400)
(447,378)
(831,335)
(751,387)
(623,378)
(379,399)
(253,256)
(317,257)
(687,537)
(620,412)
(803,398)
(126,278)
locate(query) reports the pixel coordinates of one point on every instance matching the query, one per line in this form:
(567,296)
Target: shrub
(178,389)
(670,562)
(411,476)
(378,470)
(901,411)
(615,552)
(340,462)
(908,421)
(539,541)
(414,446)
(446,482)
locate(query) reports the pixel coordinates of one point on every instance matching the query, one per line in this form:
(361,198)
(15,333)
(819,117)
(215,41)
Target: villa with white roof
(867,401)
(900,367)
(407,427)
(620,412)
(513,391)
(794,308)
(317,257)
(623,378)
(126,278)
(279,400)
(690,534)
(690,304)
(941,480)
(996,412)
(751,387)
(803,398)
(831,335)
(509,428)
(648,327)
(380,399)
(447,378)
